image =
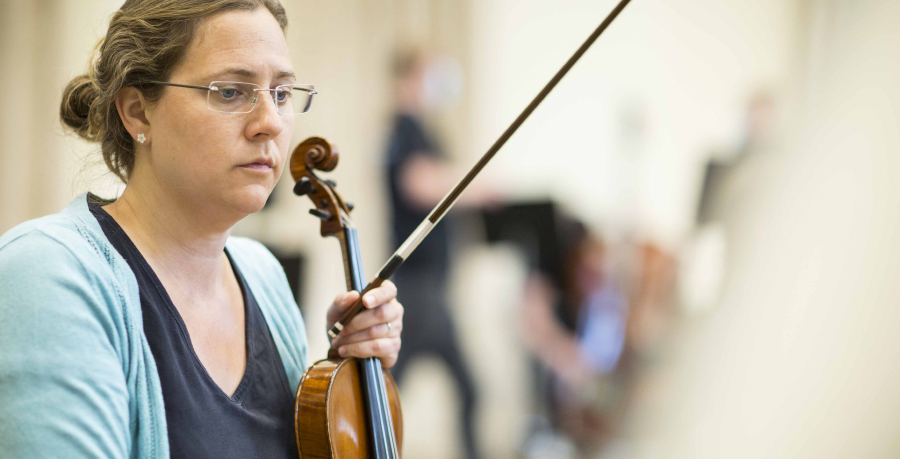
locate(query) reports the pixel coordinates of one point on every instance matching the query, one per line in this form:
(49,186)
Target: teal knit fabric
(77,379)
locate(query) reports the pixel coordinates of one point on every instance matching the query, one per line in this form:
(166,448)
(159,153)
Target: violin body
(330,411)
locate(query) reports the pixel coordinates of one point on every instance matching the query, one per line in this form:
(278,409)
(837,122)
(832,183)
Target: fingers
(389,312)
(380,295)
(368,333)
(375,297)
(384,348)
(381,330)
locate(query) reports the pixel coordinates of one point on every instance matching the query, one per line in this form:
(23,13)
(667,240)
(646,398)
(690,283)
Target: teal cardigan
(77,379)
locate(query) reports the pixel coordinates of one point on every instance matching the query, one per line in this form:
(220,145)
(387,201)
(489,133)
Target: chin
(250,199)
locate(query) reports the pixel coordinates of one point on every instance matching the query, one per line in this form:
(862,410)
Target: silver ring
(389,329)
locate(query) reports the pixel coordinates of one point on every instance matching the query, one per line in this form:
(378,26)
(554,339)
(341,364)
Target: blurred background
(687,251)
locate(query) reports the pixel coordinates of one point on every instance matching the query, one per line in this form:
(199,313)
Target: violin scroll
(317,153)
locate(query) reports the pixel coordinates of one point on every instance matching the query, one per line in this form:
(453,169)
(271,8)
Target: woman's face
(223,163)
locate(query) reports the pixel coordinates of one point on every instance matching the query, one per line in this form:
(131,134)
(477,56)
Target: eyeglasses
(240,97)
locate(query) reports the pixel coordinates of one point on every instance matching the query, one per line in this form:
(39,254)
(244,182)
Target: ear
(132,109)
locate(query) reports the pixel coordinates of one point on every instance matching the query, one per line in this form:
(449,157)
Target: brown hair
(146,39)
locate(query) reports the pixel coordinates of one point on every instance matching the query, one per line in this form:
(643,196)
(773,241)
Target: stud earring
(141,138)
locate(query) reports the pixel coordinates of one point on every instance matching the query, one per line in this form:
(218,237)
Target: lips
(260,163)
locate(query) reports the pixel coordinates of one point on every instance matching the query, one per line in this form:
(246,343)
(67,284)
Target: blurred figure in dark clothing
(419,176)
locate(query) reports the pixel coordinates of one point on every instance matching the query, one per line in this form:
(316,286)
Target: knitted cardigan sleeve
(63,388)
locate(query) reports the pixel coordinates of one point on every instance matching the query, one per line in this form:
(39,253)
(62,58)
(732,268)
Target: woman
(139,328)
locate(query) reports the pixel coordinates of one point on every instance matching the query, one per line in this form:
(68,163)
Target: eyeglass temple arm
(181,85)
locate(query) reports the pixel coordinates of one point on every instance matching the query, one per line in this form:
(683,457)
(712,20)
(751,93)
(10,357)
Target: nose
(266,123)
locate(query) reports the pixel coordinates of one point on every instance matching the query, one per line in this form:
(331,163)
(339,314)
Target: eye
(228,93)
(282,96)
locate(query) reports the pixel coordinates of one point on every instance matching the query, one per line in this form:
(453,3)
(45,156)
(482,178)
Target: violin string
(386,410)
(384,418)
(383,434)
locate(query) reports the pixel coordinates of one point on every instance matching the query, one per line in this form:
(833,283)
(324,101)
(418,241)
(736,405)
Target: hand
(368,334)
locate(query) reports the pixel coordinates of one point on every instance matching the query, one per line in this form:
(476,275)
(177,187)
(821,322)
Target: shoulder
(49,278)
(60,267)
(60,296)
(252,256)
(72,232)
(49,245)
(408,138)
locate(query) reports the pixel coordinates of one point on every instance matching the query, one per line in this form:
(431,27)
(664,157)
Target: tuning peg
(350,206)
(331,182)
(323,214)
(304,186)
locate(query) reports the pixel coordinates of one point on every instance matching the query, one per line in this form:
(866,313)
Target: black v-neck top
(256,421)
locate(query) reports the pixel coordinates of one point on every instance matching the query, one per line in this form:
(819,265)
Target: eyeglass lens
(236,97)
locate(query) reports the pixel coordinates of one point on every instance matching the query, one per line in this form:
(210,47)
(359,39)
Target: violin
(345,407)
(351,407)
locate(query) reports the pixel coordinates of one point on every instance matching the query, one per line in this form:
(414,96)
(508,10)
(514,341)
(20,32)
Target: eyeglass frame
(312,91)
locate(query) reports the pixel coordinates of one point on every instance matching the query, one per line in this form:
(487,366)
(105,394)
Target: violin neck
(377,409)
(353,267)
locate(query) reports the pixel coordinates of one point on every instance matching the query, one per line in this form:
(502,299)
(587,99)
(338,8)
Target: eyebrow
(251,74)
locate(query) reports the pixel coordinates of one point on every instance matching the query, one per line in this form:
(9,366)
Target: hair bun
(77,99)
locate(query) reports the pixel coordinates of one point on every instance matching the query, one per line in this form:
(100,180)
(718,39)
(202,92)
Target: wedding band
(389,329)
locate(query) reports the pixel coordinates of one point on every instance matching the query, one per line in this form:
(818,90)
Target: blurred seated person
(578,332)
(589,328)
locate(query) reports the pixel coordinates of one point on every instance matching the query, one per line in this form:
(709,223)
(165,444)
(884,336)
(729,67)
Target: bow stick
(447,202)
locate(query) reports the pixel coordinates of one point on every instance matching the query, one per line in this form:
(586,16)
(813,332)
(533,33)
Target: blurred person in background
(419,174)
(576,329)
(589,329)
(137,327)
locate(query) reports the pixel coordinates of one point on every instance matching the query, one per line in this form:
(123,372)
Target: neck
(180,242)
(407,108)
(408,98)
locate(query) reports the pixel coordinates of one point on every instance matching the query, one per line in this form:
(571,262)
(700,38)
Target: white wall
(43,45)
(801,359)
(623,137)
